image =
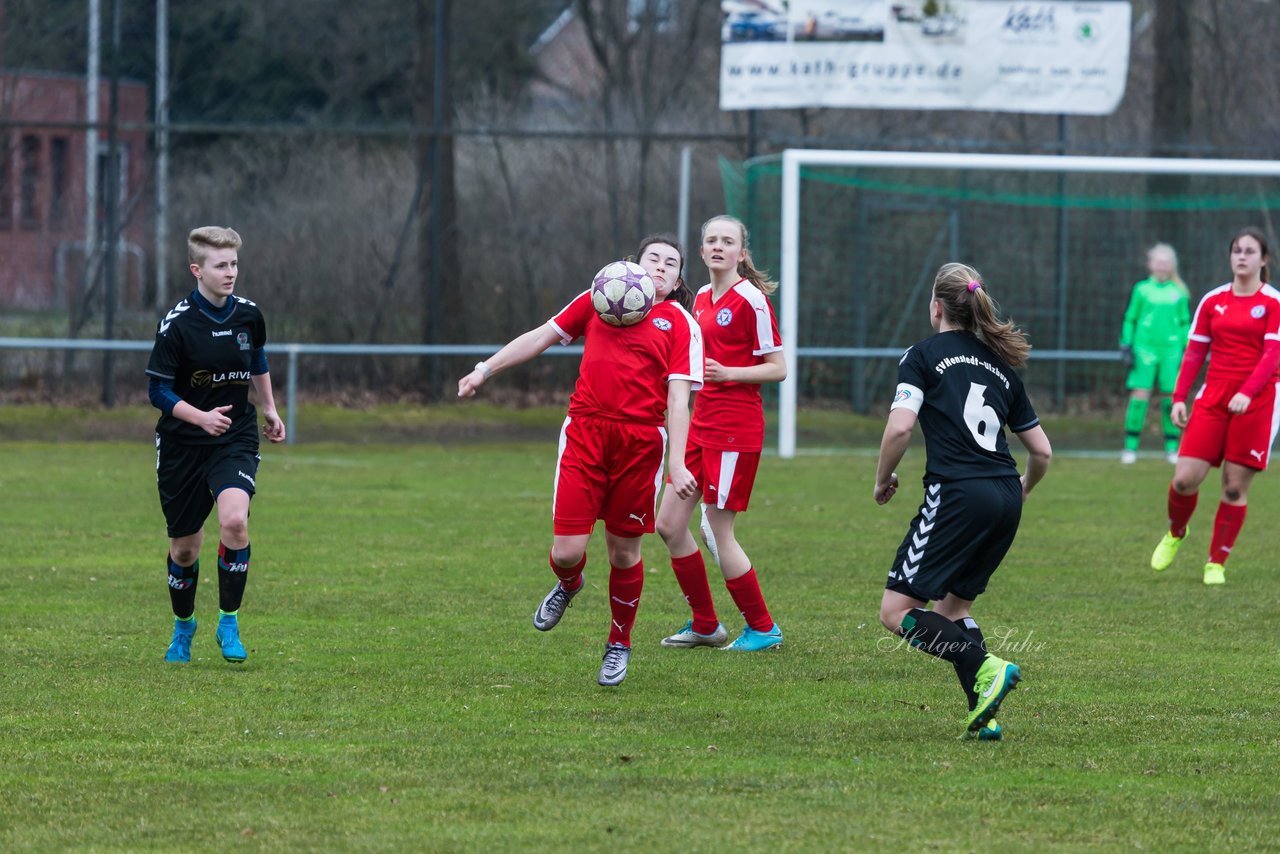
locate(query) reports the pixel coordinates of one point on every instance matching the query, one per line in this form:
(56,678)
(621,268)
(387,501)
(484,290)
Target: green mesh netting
(1059,252)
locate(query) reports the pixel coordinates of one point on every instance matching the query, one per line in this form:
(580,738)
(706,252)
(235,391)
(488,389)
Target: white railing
(293,351)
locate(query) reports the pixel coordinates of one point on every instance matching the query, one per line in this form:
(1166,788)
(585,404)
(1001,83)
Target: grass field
(397,698)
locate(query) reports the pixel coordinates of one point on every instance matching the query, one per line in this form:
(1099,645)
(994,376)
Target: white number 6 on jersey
(981,419)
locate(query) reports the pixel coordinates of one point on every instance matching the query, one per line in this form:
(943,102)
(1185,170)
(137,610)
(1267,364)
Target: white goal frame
(793,159)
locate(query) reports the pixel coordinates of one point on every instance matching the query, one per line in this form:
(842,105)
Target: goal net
(855,238)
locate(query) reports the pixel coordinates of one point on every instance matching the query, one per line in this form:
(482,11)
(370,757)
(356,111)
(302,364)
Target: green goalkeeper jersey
(1158,317)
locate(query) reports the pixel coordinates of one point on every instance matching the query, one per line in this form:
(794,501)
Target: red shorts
(1214,434)
(608,470)
(726,477)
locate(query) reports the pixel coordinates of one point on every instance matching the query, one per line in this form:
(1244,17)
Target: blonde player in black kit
(960,385)
(208,351)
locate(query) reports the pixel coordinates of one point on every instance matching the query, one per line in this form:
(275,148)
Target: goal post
(1214,198)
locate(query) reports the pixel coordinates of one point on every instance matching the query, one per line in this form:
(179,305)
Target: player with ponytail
(743,350)
(960,385)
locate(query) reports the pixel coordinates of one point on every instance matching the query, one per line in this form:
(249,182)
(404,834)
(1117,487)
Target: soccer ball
(622,293)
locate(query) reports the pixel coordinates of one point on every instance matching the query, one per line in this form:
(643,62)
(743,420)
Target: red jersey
(1236,328)
(625,369)
(737,331)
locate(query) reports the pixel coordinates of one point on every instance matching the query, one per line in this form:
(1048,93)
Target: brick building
(42,193)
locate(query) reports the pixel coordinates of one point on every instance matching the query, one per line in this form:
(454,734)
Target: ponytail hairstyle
(680,293)
(1256,234)
(746,268)
(960,291)
(1167,250)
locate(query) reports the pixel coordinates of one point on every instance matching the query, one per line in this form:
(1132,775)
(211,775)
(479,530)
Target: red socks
(1226,527)
(570,577)
(624,600)
(691,575)
(745,590)
(1180,509)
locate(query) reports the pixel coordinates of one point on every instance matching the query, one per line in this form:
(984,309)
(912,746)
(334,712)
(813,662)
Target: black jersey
(208,361)
(965,395)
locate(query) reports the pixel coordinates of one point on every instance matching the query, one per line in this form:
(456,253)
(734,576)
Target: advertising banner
(1052,56)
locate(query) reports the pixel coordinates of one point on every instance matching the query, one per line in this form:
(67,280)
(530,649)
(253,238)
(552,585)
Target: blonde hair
(746,268)
(208,237)
(964,298)
(1166,249)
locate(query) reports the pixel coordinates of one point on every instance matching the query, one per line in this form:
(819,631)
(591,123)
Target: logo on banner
(1022,20)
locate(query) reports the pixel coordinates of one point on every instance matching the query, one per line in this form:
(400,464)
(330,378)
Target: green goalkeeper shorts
(1156,369)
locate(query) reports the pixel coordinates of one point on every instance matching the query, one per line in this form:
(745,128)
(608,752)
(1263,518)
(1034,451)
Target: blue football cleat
(179,651)
(228,636)
(752,641)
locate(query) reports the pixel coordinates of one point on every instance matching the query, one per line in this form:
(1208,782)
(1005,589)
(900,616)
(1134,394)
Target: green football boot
(1215,573)
(1166,551)
(996,678)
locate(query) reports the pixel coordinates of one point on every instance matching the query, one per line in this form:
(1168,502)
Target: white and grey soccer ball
(622,293)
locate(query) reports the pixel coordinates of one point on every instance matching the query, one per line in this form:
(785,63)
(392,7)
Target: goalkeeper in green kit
(1151,344)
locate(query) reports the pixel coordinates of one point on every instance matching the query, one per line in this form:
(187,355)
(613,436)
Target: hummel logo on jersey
(173,315)
(218,333)
(1220,309)
(1258,455)
(246,477)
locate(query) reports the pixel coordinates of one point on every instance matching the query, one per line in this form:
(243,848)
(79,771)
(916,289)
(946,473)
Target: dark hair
(966,303)
(1258,235)
(746,267)
(681,292)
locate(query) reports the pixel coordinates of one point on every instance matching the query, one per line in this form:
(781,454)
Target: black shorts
(959,536)
(191,476)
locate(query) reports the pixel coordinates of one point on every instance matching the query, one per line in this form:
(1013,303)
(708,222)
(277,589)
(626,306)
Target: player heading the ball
(633,384)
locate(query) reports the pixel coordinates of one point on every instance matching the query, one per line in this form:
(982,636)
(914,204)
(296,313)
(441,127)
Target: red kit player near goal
(1234,418)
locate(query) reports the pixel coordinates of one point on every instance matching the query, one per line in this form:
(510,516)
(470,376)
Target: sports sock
(970,627)
(936,635)
(1226,527)
(1180,509)
(1172,435)
(570,576)
(233,572)
(691,575)
(624,600)
(745,590)
(182,588)
(1134,417)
